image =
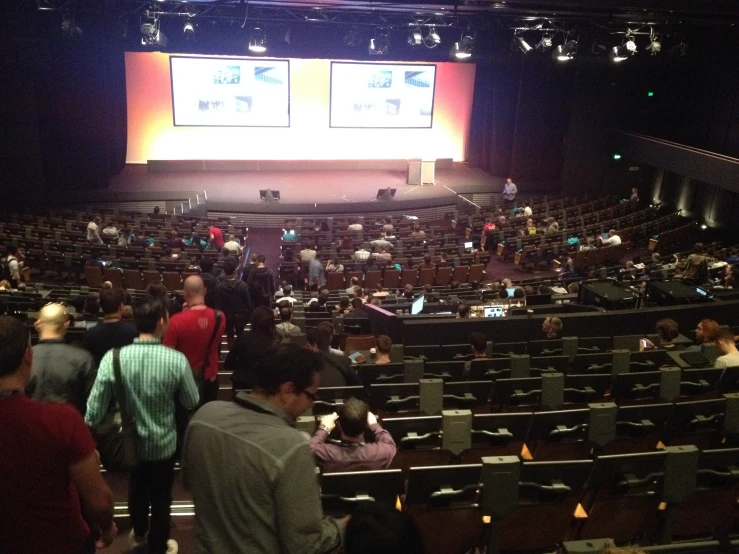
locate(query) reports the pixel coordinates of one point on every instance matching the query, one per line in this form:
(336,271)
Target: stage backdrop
(152,134)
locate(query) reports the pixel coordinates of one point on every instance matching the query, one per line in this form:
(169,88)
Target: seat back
(172,280)
(113,275)
(94,276)
(151,276)
(391,280)
(444,276)
(372,278)
(359,342)
(409,277)
(460,273)
(335,281)
(133,279)
(476,272)
(426,276)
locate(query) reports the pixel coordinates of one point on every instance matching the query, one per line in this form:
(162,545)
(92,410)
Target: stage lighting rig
(151,34)
(655,44)
(522,45)
(625,51)
(462,49)
(415,36)
(379,44)
(432,39)
(257,41)
(69,27)
(545,43)
(565,52)
(188,29)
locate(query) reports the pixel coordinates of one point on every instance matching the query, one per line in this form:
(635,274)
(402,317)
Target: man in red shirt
(191,331)
(486,240)
(216,238)
(49,466)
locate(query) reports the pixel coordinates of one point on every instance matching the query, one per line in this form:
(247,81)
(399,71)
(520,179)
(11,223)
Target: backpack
(5,274)
(260,286)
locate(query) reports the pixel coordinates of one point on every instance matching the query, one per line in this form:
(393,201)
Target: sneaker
(172,547)
(135,540)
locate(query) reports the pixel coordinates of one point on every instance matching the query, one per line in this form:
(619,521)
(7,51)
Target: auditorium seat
(94,276)
(460,273)
(172,280)
(409,277)
(342,492)
(132,279)
(113,275)
(151,276)
(391,279)
(335,281)
(372,279)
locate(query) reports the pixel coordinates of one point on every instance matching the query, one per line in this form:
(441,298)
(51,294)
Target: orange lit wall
(152,135)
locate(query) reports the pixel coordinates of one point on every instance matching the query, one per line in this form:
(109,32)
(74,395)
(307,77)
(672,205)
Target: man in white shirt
(382,242)
(527,212)
(93,231)
(730,355)
(509,190)
(233,246)
(354,225)
(361,255)
(307,254)
(612,240)
(286,296)
(14,266)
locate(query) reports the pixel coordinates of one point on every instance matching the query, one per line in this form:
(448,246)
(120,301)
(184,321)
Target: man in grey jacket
(252,474)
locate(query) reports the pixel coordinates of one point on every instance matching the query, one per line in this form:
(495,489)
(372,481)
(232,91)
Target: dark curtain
(81,102)
(520,115)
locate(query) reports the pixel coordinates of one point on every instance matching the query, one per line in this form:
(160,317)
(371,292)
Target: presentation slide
(382,95)
(230,92)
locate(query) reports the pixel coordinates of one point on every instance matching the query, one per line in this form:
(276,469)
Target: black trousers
(234,326)
(150,486)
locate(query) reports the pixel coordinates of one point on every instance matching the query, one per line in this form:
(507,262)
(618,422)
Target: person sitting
(530,227)
(427,262)
(408,292)
(667,331)
(634,195)
(463,312)
(706,331)
(418,233)
(336,370)
(733,258)
(357,311)
(343,307)
(478,345)
(387,226)
(383,257)
(369,266)
(552,326)
(612,240)
(354,282)
(376,528)
(409,263)
(361,254)
(286,296)
(568,267)
(729,354)
(729,278)
(174,241)
(444,260)
(288,235)
(382,242)
(319,303)
(354,225)
(379,292)
(351,452)
(384,345)
(552,226)
(286,329)
(110,230)
(573,288)
(526,211)
(519,293)
(335,266)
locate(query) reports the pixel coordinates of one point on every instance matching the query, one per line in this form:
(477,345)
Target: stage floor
(306,187)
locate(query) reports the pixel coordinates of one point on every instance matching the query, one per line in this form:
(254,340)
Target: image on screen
(382,95)
(417,306)
(222,92)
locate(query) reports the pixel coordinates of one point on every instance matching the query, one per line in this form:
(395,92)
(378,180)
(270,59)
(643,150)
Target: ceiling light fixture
(565,52)
(462,49)
(432,39)
(621,53)
(188,29)
(415,36)
(379,44)
(257,41)
(545,43)
(522,45)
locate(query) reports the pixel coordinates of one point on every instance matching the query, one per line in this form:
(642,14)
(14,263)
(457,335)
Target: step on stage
(305,187)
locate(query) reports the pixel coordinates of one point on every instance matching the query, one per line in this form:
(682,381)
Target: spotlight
(545,43)
(655,45)
(151,35)
(350,39)
(623,52)
(432,39)
(679,50)
(462,50)
(415,37)
(378,45)
(565,52)
(69,27)
(188,29)
(704,227)
(522,45)
(257,41)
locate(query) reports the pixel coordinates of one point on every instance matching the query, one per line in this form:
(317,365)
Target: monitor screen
(511,291)
(493,311)
(468,245)
(417,305)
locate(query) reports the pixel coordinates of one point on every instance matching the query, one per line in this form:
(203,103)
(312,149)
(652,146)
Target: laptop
(468,246)
(493,311)
(695,359)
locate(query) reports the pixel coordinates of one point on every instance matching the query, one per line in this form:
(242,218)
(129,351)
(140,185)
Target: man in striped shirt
(153,376)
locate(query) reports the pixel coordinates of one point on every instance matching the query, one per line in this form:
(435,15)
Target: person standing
(13,267)
(216,238)
(261,283)
(93,231)
(60,372)
(153,376)
(510,190)
(50,470)
(250,448)
(113,331)
(235,301)
(316,273)
(194,333)
(210,281)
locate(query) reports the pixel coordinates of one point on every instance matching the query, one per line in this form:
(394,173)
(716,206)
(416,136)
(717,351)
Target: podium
(421,171)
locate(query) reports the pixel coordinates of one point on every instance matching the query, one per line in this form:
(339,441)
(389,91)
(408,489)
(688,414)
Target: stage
(310,190)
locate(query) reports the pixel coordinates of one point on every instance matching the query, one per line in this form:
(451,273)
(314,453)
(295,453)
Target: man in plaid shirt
(153,376)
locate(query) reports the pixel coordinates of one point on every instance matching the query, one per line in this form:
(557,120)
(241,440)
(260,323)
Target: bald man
(194,333)
(60,372)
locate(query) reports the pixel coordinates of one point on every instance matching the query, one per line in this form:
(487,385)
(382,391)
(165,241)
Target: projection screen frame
(235,58)
(331,93)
